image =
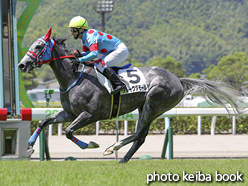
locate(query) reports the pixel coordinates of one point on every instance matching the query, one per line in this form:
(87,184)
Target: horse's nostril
(21,67)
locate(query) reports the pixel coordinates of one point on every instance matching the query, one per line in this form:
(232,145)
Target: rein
(75,82)
(53,59)
(45,56)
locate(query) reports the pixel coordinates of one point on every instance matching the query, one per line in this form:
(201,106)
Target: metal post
(125,128)
(102,7)
(49,127)
(42,146)
(117,137)
(165,145)
(16,61)
(234,125)
(50,130)
(97,127)
(46,149)
(170,138)
(1,61)
(199,125)
(136,125)
(10,65)
(60,129)
(47,105)
(48,95)
(213,125)
(167,126)
(168,141)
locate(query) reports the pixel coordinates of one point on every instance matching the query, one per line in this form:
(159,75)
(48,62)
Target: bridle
(46,54)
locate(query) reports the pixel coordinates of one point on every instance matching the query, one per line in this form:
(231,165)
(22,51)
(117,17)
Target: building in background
(37,94)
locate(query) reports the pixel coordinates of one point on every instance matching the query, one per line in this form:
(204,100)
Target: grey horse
(87,101)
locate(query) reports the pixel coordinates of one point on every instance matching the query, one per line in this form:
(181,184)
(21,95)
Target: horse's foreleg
(59,117)
(82,120)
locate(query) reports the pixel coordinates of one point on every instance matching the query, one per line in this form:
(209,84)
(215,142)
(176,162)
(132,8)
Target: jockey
(96,42)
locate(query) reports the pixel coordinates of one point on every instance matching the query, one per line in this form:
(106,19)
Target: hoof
(92,145)
(122,161)
(108,152)
(117,146)
(29,152)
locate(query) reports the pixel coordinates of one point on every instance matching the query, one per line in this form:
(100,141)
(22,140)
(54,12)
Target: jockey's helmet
(78,22)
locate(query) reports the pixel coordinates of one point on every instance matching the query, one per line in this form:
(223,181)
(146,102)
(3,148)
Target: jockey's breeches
(114,58)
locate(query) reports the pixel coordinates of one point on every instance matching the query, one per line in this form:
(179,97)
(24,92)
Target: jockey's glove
(77,54)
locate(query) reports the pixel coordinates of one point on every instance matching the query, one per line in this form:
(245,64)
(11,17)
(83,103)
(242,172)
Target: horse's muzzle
(22,67)
(26,64)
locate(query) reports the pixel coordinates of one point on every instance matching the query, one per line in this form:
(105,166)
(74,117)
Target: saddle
(106,82)
(132,77)
(134,80)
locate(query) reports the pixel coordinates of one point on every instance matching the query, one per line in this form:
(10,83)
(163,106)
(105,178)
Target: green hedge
(180,124)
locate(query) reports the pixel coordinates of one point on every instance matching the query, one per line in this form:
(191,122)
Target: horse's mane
(61,43)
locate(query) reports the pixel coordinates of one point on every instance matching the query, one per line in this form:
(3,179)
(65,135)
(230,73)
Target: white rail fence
(32,114)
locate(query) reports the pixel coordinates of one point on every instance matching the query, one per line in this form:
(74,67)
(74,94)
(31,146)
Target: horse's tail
(216,91)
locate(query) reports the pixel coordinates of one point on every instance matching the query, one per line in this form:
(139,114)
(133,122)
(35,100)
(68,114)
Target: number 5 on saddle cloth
(133,79)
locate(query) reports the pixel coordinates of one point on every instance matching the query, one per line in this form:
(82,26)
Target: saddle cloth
(132,77)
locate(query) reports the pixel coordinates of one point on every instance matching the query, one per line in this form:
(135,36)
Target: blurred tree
(169,64)
(28,80)
(234,68)
(196,33)
(46,73)
(135,63)
(195,76)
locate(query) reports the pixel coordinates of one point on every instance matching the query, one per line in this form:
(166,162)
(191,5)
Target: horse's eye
(38,48)
(38,45)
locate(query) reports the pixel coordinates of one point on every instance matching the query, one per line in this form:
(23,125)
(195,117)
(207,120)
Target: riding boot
(117,84)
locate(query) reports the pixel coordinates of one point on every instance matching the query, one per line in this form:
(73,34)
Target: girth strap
(115,105)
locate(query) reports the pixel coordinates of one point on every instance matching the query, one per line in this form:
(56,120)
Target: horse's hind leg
(148,114)
(136,145)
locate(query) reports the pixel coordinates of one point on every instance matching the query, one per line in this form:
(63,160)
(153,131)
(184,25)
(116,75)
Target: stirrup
(121,87)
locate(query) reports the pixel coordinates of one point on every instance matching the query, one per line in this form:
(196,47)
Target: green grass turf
(104,173)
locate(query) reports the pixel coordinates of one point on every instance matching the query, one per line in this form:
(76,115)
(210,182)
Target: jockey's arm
(85,53)
(92,53)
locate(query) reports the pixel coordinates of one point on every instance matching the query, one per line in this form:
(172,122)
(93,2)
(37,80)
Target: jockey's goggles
(74,29)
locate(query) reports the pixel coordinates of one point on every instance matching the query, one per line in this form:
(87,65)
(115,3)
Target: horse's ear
(48,34)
